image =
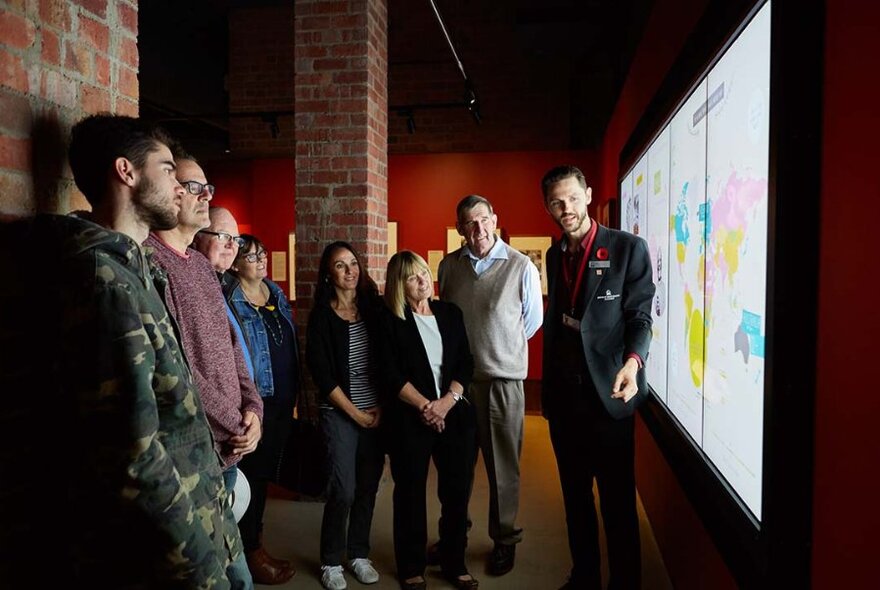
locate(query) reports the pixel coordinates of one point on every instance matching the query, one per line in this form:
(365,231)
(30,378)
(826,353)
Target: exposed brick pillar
(341,134)
(59,61)
(261,80)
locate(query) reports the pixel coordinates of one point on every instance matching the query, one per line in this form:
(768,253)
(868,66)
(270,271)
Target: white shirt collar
(498,251)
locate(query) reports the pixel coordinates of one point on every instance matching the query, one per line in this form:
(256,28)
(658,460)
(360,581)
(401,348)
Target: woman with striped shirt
(340,355)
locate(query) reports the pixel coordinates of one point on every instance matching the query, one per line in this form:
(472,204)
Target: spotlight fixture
(471,101)
(470,96)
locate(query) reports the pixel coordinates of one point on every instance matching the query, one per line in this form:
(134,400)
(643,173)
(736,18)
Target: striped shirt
(363,393)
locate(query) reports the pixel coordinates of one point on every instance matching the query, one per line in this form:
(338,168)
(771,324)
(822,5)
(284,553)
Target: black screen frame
(778,550)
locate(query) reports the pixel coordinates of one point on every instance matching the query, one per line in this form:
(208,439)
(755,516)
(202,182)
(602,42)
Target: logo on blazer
(608,296)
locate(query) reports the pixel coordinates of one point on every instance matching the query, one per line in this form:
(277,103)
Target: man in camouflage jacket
(138,499)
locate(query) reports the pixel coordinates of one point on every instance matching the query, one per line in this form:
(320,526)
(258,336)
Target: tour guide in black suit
(597,330)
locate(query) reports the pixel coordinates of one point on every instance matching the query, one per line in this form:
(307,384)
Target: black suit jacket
(403,357)
(616,320)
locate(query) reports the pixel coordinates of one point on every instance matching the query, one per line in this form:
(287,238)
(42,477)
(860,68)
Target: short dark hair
(560,173)
(468,203)
(325,292)
(247,240)
(96,142)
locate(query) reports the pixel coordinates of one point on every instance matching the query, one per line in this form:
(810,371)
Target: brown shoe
(282,563)
(264,571)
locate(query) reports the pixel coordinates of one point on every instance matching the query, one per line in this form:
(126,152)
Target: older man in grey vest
(499,291)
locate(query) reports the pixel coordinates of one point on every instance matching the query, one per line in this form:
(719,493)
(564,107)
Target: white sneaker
(332,578)
(363,570)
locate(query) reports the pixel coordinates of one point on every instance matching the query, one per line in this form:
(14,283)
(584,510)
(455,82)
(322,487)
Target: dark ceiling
(577,51)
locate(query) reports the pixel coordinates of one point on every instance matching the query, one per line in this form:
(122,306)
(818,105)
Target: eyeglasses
(254,256)
(224,238)
(196,188)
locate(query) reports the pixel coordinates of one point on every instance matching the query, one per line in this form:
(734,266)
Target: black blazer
(617,315)
(403,357)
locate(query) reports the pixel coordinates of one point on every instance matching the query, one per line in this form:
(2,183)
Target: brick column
(59,61)
(341,103)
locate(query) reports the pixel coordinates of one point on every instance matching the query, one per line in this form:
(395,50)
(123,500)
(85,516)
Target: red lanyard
(591,236)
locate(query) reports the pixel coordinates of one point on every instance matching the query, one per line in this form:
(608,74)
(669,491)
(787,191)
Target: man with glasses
(232,403)
(219,243)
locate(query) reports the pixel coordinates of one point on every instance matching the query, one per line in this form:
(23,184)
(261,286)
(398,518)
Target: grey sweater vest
(492,305)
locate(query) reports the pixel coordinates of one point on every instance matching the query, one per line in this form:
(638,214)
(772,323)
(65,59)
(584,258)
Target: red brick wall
(341,128)
(58,62)
(261,70)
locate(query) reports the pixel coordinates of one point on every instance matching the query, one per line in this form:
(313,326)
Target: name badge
(570,322)
(600,264)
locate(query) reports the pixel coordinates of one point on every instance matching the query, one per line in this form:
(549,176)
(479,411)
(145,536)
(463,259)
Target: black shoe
(417,585)
(501,559)
(432,556)
(459,584)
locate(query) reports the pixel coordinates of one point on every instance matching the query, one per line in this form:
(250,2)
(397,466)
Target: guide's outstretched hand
(625,385)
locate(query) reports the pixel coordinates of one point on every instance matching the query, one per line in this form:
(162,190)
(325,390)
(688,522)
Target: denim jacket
(255,331)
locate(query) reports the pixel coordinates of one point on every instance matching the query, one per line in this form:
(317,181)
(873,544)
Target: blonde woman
(427,365)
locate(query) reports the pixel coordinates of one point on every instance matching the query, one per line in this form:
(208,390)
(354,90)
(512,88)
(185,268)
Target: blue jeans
(356,460)
(238,573)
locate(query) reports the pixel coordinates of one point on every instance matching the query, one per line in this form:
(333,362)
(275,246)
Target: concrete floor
(292,531)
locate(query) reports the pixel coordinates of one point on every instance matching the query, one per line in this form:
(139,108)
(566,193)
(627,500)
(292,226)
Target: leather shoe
(417,585)
(471,584)
(264,571)
(501,559)
(283,563)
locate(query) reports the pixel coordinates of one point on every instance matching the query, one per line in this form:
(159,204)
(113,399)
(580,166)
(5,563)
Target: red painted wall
(847,454)
(422,194)
(424,190)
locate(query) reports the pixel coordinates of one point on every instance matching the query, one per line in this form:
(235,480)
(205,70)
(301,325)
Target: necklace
(270,311)
(349,314)
(263,311)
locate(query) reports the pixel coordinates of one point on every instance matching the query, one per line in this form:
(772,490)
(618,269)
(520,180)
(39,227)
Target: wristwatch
(456,396)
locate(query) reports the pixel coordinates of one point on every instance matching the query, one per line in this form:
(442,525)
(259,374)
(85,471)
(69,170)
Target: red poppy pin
(602,253)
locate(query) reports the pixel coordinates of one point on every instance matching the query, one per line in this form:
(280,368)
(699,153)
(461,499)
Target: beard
(578,224)
(153,207)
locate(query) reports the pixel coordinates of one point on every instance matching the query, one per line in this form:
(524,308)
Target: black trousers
(588,444)
(412,446)
(259,467)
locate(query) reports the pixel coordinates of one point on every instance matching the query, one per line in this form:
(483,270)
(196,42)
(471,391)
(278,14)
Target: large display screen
(698,194)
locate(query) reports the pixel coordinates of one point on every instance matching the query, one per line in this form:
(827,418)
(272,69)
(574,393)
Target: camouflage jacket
(146,506)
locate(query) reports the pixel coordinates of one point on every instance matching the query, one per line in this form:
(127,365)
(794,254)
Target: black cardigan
(327,347)
(403,357)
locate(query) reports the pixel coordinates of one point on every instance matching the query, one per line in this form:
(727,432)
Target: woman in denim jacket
(265,317)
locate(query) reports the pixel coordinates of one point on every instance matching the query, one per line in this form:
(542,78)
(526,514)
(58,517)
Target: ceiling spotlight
(471,101)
